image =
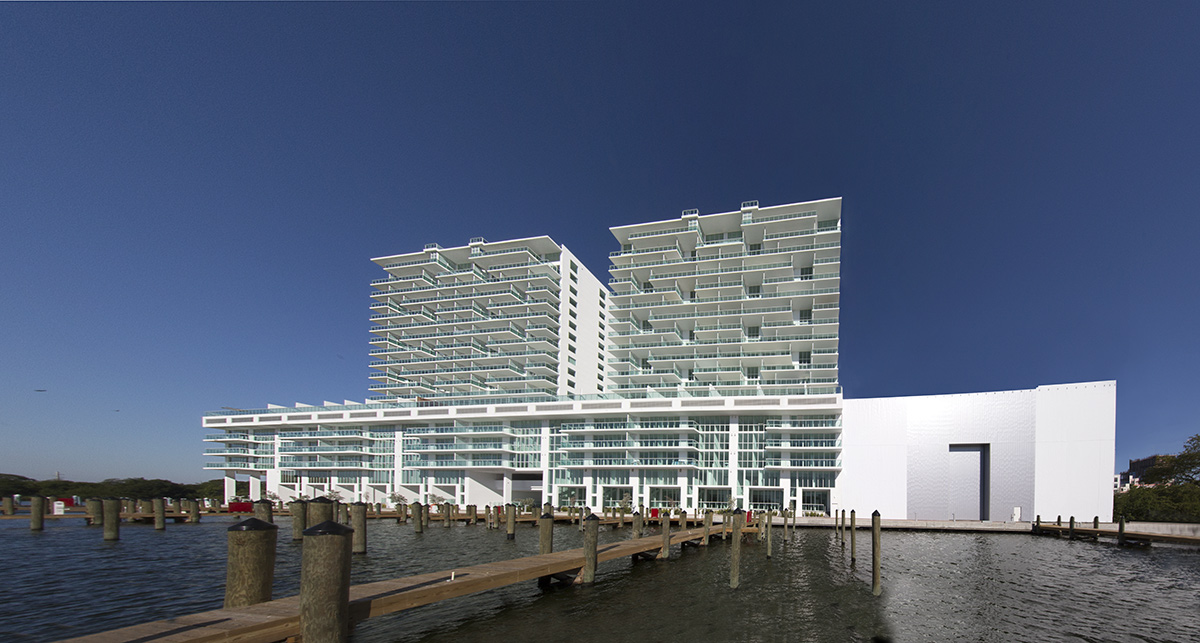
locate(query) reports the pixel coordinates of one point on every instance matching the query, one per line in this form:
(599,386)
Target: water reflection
(937,587)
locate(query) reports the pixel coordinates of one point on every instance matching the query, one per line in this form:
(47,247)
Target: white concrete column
(733,463)
(230,486)
(255,487)
(508,488)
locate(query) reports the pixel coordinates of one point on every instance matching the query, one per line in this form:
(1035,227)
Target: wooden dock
(1130,537)
(279,619)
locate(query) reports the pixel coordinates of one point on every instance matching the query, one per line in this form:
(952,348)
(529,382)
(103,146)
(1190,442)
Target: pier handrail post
(735,552)
(325,583)
(299,511)
(320,510)
(358,522)
(159,505)
(37,513)
(638,525)
(708,515)
(665,552)
(264,510)
(591,536)
(112,518)
(250,562)
(876,554)
(510,521)
(853,539)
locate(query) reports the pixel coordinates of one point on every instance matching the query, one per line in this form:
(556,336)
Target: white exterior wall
(589,333)
(874,457)
(1051,452)
(1076,450)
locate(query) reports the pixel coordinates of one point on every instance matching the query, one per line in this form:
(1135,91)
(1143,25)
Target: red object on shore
(241,507)
(653,512)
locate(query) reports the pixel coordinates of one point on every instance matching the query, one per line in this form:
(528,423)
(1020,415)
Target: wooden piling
(472,514)
(378,510)
(665,552)
(425,514)
(343,512)
(320,510)
(876,555)
(1059,520)
(447,510)
(95,512)
(1096,522)
(358,522)
(325,583)
(1121,532)
(708,519)
(7,506)
(159,505)
(418,517)
(735,552)
(853,538)
(591,536)
(638,525)
(510,520)
(299,511)
(250,562)
(585,512)
(843,527)
(37,513)
(193,512)
(264,511)
(112,518)
(769,525)
(1071,529)
(545,542)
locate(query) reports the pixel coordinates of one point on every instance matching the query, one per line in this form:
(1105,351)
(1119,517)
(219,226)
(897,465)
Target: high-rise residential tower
(706,378)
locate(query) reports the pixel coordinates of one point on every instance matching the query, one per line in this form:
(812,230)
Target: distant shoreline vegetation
(1170,491)
(12,484)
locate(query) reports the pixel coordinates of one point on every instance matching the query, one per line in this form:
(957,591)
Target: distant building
(1132,477)
(706,377)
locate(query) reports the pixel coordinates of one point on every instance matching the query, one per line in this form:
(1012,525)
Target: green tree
(12,484)
(1181,468)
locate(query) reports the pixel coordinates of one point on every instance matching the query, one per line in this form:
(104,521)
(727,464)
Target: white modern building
(708,376)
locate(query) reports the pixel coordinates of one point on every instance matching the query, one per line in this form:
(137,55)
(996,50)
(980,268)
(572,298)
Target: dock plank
(278,619)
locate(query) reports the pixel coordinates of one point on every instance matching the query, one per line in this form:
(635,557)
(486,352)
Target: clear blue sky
(190,193)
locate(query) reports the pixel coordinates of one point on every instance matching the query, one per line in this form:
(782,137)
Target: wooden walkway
(1131,537)
(279,619)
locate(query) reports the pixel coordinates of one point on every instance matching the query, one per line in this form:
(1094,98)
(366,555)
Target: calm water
(937,587)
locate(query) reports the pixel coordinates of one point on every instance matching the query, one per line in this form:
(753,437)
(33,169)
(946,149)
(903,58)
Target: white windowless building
(707,377)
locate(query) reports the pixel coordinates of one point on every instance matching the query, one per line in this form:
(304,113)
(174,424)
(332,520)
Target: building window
(571,336)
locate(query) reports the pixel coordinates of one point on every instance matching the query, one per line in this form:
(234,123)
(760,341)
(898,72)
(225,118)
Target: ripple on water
(937,587)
